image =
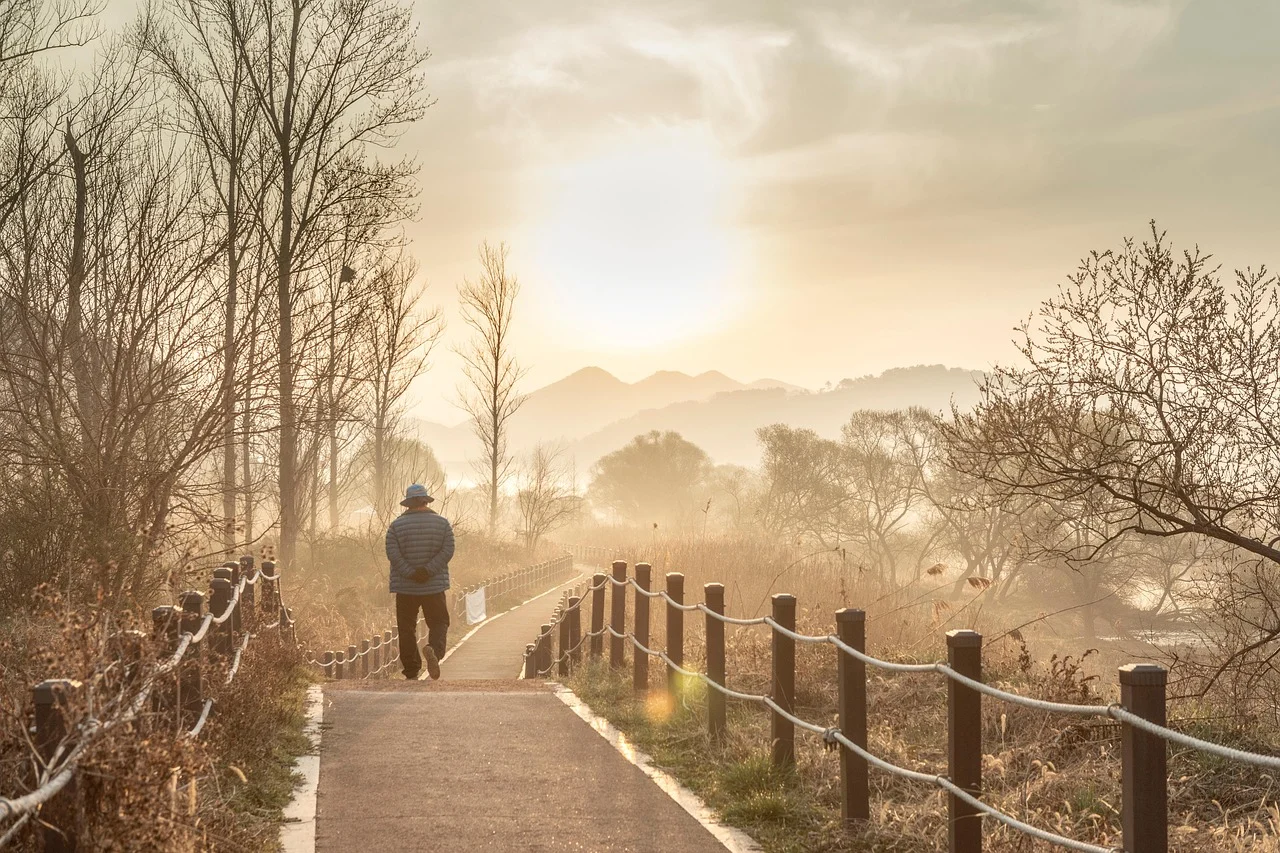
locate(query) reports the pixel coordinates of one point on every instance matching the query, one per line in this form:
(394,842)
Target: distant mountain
(725,425)
(592,412)
(582,403)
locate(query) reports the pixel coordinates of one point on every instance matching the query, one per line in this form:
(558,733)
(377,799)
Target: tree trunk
(246,479)
(229,369)
(288,465)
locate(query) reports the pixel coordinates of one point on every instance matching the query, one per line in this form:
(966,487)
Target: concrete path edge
(733,839)
(298,832)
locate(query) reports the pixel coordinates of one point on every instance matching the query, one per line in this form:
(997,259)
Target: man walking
(419,546)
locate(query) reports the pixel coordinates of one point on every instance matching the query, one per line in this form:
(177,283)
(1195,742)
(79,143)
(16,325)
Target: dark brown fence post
(713,596)
(562,658)
(326,663)
(236,623)
(598,582)
(640,660)
(618,620)
(388,638)
(531,661)
(544,651)
(165,622)
(52,700)
(675,634)
(783,730)
(1144,809)
(364,658)
(276,601)
(190,689)
(249,599)
(575,630)
(964,740)
(851,628)
(353,666)
(339,666)
(219,600)
(375,650)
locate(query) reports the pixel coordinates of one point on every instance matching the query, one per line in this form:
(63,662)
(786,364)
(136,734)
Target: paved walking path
(481,761)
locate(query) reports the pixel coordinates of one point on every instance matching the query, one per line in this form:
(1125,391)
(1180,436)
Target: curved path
(482,761)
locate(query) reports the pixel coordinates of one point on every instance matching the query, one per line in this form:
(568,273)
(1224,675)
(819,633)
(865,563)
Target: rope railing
(375,656)
(1141,710)
(61,742)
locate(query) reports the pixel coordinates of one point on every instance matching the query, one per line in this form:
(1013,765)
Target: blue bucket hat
(417,493)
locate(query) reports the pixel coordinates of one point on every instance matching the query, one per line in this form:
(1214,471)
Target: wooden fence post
(531,661)
(236,623)
(326,663)
(1144,815)
(375,654)
(783,753)
(713,596)
(544,651)
(575,631)
(964,741)
(640,660)
(250,593)
(387,638)
(598,582)
(52,705)
(851,628)
(364,658)
(353,667)
(618,620)
(339,666)
(219,600)
(562,658)
(269,568)
(190,688)
(675,634)
(165,621)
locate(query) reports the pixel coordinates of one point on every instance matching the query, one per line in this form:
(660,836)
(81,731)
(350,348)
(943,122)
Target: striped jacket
(419,538)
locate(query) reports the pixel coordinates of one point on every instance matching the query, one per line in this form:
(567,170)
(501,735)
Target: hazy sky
(812,190)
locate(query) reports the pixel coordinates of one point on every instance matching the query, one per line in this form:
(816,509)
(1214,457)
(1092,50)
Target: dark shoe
(411,676)
(433,663)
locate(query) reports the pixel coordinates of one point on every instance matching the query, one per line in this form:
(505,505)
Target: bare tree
(490,367)
(193,50)
(1150,396)
(401,338)
(333,80)
(106,396)
(547,496)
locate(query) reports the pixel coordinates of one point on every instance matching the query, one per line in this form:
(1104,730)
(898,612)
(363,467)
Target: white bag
(475,606)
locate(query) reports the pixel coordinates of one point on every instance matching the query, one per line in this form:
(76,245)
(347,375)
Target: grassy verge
(252,747)
(1056,773)
(787,812)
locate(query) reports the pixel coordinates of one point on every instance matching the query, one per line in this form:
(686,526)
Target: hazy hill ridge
(592,412)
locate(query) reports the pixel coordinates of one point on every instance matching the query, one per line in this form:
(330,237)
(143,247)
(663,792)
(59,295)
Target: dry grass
(144,786)
(1061,774)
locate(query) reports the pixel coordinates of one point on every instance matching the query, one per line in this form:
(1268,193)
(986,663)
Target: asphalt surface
(480,761)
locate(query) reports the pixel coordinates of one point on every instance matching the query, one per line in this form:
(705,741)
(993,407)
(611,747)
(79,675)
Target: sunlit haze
(816,190)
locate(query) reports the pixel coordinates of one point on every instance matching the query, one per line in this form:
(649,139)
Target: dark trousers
(436,611)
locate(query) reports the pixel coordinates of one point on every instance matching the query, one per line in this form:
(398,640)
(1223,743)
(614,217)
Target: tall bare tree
(490,367)
(334,80)
(401,337)
(193,48)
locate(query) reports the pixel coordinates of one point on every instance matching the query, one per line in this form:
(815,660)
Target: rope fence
(1141,711)
(375,656)
(172,688)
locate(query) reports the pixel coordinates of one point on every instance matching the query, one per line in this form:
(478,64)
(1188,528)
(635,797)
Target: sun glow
(636,245)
